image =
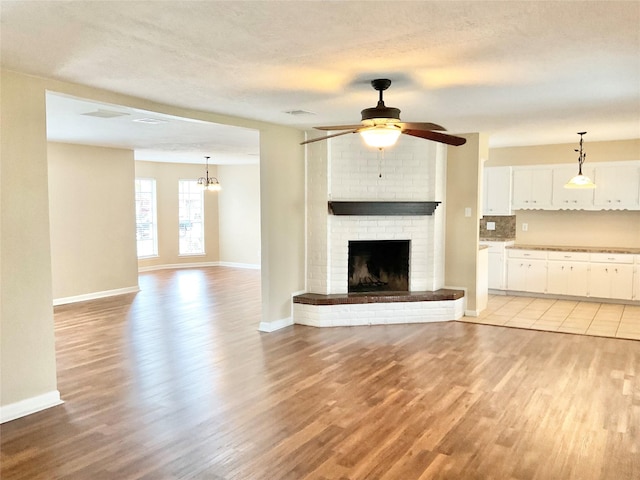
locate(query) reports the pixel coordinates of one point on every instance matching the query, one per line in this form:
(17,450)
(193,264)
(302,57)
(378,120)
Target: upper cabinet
(532,188)
(541,187)
(617,187)
(571,198)
(496,191)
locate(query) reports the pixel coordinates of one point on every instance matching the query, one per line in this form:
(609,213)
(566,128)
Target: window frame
(154,215)
(193,190)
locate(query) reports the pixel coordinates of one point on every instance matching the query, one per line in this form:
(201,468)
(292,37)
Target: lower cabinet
(568,273)
(568,278)
(496,271)
(527,271)
(611,280)
(579,274)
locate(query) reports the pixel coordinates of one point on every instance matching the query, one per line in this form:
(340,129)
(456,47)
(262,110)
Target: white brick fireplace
(344,169)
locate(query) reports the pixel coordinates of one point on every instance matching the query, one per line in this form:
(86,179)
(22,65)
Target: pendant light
(580,180)
(207,182)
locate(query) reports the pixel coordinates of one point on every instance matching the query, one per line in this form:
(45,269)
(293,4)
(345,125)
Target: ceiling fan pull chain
(380,158)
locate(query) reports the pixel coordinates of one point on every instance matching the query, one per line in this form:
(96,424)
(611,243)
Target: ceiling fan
(381,125)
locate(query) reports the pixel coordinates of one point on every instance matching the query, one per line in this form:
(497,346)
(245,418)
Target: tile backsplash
(505,227)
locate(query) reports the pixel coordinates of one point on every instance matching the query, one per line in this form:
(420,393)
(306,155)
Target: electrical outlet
(525,227)
(491,225)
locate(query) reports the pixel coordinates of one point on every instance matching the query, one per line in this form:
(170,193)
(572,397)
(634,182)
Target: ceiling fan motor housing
(382,112)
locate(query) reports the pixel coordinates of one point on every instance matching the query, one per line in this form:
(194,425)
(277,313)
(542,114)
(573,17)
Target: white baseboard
(169,266)
(269,327)
(251,266)
(95,295)
(29,406)
(471,313)
(177,265)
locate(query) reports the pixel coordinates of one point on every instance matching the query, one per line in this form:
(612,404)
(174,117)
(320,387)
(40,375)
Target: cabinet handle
(575,201)
(616,270)
(534,201)
(566,201)
(567,256)
(562,268)
(611,258)
(571,269)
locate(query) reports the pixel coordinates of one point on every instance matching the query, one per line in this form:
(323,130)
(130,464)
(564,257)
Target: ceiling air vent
(299,112)
(150,121)
(105,114)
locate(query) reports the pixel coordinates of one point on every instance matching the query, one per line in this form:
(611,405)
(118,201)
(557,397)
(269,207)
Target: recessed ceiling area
(152,136)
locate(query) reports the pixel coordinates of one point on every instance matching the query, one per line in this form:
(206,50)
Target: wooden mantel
(381,208)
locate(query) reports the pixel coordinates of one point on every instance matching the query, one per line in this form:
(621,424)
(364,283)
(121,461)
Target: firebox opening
(379,266)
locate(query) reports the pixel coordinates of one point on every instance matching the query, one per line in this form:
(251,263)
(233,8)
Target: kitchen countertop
(494,239)
(564,248)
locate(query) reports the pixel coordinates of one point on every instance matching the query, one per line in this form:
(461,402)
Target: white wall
(92,215)
(239,214)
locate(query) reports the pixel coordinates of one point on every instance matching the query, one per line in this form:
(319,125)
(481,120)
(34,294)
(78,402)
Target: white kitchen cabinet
(527,271)
(568,273)
(532,188)
(496,191)
(611,276)
(617,187)
(571,198)
(497,265)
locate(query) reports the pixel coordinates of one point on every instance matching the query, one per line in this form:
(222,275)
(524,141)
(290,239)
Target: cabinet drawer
(611,258)
(569,256)
(538,254)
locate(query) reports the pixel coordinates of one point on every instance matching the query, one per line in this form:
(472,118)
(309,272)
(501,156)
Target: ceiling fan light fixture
(381,136)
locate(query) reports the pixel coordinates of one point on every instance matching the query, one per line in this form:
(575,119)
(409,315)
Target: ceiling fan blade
(436,137)
(421,126)
(340,127)
(325,138)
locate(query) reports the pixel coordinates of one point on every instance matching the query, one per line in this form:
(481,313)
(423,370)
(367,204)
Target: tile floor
(568,316)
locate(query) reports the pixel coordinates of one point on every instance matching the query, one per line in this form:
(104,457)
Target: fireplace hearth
(378,266)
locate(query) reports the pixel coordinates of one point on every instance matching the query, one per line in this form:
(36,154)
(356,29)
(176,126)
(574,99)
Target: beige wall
(573,228)
(282,210)
(27,356)
(579,228)
(92,214)
(27,350)
(565,153)
(464,166)
(167,176)
(239,214)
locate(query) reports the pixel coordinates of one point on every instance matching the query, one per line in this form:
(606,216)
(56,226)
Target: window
(191,217)
(146,221)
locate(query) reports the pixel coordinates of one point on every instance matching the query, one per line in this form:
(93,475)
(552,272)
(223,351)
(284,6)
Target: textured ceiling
(524,72)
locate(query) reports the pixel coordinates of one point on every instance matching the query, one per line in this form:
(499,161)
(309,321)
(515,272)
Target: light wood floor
(175,382)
